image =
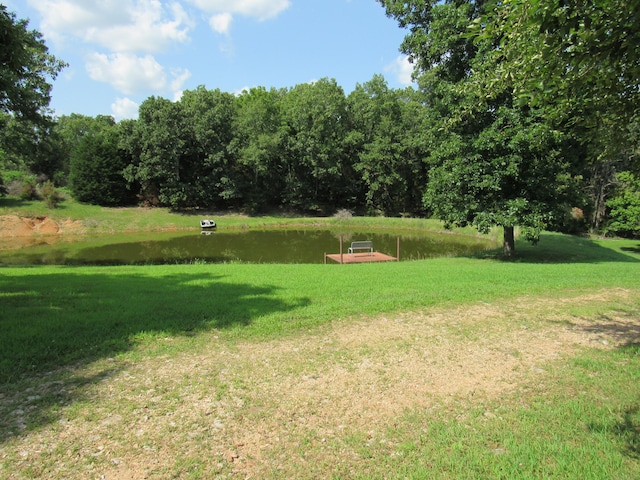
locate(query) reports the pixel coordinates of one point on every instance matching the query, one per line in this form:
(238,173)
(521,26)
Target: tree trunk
(508,245)
(601,182)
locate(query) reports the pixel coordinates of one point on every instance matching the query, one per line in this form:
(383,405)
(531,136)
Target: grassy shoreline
(96,219)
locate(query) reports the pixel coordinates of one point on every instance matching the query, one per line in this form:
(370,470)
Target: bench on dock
(364,245)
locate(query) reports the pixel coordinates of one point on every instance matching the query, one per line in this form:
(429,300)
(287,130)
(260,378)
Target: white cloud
(124,108)
(148,29)
(177,96)
(221,23)
(242,91)
(73,17)
(117,25)
(260,9)
(402,69)
(130,74)
(179,76)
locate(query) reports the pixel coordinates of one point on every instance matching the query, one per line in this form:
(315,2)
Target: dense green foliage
(388,141)
(96,167)
(574,56)
(25,67)
(310,148)
(533,105)
(625,206)
(510,173)
(26,70)
(579,62)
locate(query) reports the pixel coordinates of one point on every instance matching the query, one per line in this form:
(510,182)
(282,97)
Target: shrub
(14,188)
(343,214)
(29,189)
(50,194)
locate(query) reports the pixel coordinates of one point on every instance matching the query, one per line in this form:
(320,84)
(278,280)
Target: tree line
(310,148)
(525,115)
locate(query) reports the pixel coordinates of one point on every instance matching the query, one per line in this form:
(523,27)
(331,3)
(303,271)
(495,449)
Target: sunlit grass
(582,422)
(56,315)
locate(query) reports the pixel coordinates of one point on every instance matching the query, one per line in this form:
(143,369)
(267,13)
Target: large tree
(179,150)
(156,144)
(384,130)
(494,161)
(315,121)
(258,147)
(206,171)
(512,172)
(26,68)
(580,61)
(97,164)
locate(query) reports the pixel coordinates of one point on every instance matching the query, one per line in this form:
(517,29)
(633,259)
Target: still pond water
(250,246)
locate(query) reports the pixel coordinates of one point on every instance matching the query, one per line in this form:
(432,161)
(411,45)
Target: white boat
(207,224)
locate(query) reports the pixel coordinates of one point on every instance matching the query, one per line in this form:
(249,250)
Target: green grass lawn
(52,316)
(581,422)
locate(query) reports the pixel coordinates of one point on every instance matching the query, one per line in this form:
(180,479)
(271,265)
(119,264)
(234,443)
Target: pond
(245,246)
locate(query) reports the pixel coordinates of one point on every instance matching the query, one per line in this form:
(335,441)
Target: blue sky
(120,52)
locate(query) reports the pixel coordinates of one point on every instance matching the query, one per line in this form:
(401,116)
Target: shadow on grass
(51,325)
(626,428)
(623,425)
(623,333)
(635,249)
(559,248)
(629,429)
(12,202)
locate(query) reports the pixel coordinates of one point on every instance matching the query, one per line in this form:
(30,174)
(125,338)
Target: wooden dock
(364,257)
(359,257)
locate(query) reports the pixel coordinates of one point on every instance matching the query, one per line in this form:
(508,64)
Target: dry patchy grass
(298,407)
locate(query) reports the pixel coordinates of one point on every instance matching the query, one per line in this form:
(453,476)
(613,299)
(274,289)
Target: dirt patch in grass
(16,226)
(298,407)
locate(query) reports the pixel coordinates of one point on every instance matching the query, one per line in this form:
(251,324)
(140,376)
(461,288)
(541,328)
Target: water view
(250,246)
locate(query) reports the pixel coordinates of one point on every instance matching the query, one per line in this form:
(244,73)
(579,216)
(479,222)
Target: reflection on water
(252,246)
